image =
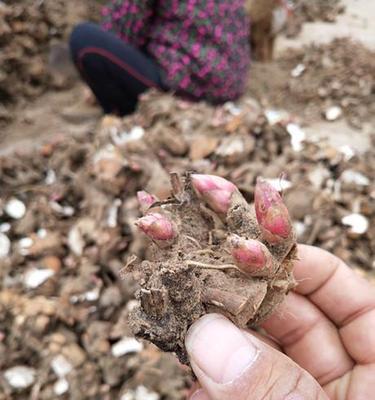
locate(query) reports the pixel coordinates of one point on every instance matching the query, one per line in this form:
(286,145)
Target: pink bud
(156,226)
(145,200)
(271,212)
(250,255)
(214,190)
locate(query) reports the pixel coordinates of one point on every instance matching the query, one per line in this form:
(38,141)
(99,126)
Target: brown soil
(52,114)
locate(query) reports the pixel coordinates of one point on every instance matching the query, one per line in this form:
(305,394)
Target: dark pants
(116,72)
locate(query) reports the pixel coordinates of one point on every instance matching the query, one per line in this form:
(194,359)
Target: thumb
(233,364)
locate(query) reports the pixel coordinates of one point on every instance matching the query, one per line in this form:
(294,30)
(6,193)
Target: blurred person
(197,49)
(319,345)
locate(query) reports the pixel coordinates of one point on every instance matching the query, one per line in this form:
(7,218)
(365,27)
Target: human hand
(321,342)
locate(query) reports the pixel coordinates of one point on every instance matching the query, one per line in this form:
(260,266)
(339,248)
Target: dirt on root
(193,273)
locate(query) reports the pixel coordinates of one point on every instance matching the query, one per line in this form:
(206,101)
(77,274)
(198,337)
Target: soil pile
(340,74)
(309,11)
(325,10)
(330,81)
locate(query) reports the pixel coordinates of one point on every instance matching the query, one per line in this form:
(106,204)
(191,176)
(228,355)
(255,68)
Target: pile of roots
(28,29)
(67,228)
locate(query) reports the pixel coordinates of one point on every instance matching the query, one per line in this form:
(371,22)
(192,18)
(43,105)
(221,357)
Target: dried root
(240,268)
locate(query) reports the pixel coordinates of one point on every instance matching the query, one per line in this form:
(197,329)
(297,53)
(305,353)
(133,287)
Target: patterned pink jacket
(202,46)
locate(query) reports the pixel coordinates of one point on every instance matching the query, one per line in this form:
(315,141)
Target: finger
(359,338)
(267,339)
(337,290)
(346,298)
(233,364)
(309,338)
(200,394)
(356,384)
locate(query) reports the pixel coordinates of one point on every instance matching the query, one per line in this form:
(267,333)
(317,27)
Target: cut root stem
(197,264)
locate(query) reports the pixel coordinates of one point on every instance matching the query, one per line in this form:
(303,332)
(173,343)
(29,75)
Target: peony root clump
(210,251)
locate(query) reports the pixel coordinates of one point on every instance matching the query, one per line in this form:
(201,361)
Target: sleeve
(129,19)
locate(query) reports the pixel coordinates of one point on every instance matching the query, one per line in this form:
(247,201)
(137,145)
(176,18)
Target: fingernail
(200,395)
(219,348)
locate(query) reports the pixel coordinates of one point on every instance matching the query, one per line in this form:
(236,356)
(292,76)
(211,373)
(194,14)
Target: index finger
(346,298)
